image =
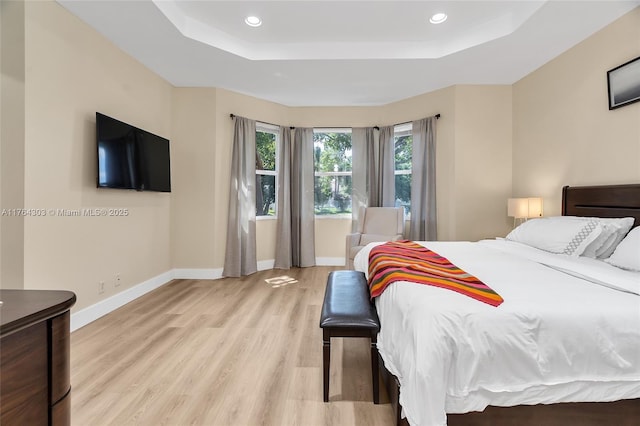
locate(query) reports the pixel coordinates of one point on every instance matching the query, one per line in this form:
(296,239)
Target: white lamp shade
(522,208)
(535,207)
(517,207)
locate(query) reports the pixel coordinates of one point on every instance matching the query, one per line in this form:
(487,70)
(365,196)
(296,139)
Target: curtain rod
(437,116)
(265,122)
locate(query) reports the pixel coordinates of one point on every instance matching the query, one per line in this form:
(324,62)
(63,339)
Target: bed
(566,336)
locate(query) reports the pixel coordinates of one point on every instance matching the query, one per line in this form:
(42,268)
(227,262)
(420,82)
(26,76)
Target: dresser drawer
(24,372)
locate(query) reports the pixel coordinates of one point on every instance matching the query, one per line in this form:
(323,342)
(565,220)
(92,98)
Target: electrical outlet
(118,282)
(101,287)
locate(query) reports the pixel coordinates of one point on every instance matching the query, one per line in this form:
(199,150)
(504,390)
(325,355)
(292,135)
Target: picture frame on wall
(623,83)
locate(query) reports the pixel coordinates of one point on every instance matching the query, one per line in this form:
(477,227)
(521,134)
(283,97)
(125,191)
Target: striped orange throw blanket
(408,261)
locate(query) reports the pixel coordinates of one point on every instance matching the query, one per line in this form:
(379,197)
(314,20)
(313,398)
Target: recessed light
(438,18)
(253,21)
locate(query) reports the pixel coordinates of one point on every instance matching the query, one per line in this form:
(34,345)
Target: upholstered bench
(348,312)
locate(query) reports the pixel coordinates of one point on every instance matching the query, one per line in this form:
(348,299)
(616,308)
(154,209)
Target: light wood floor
(221,352)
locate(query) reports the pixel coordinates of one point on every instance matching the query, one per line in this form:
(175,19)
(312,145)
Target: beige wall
(12,122)
(482,161)
(563,132)
(193,203)
(72,72)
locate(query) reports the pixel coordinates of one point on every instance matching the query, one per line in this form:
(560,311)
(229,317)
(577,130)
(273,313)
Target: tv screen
(131,158)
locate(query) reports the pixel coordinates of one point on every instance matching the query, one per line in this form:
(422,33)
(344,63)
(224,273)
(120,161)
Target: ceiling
(344,53)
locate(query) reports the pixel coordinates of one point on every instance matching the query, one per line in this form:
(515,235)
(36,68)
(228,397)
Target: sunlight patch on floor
(280,281)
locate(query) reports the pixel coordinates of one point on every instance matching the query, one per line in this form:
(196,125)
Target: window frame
(400,130)
(316,173)
(274,130)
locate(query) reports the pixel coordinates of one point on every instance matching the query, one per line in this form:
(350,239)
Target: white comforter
(556,338)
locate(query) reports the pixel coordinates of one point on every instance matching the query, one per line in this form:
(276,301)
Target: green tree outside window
(265,173)
(333,185)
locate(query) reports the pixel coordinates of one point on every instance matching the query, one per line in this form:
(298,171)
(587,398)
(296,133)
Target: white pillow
(613,231)
(627,254)
(557,234)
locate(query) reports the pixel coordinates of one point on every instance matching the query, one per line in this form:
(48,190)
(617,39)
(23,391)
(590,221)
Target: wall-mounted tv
(131,158)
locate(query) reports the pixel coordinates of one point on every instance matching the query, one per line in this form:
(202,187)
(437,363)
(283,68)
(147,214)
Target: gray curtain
(382,188)
(423,181)
(240,253)
(295,240)
(283,191)
(362,142)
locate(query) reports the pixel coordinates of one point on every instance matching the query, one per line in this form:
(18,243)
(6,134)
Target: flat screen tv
(131,158)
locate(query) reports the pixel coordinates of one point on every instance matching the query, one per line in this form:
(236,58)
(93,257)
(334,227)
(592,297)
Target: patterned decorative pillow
(557,235)
(621,227)
(613,231)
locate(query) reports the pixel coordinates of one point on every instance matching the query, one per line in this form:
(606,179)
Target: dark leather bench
(347,311)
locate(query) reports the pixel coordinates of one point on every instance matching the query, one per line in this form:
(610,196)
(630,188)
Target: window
(332,162)
(266,169)
(403,144)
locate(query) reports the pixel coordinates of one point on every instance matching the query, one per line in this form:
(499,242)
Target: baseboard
(85,316)
(330,261)
(213,274)
(197,274)
(263,265)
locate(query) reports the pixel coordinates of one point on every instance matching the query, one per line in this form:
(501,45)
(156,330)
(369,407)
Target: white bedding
(556,338)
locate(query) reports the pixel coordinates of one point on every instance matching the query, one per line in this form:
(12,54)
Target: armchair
(374,224)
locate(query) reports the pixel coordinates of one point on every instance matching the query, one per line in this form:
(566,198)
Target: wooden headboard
(602,201)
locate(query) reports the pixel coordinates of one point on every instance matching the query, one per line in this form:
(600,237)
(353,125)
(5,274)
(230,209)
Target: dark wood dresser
(35,371)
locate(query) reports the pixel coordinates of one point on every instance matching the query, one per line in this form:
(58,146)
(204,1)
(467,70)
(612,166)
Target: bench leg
(374,371)
(326,359)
